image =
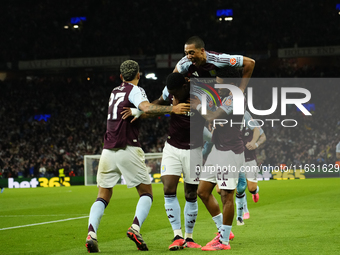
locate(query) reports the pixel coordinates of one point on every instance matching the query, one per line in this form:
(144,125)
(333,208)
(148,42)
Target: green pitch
(291,217)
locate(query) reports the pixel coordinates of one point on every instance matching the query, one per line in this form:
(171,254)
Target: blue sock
(190,216)
(96,213)
(218,219)
(239,204)
(225,233)
(245,204)
(142,211)
(173,210)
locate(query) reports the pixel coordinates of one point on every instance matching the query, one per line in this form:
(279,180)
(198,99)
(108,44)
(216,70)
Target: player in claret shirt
(227,158)
(182,150)
(122,154)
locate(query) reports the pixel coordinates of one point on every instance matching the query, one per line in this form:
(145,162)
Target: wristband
(135,112)
(256,145)
(198,107)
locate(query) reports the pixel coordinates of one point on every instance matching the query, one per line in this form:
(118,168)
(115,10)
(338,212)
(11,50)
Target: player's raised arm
(252,144)
(248,67)
(261,139)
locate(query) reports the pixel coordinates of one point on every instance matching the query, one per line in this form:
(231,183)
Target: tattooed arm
(147,107)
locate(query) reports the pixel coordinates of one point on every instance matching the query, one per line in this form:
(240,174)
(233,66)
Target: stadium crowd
(51,121)
(34,144)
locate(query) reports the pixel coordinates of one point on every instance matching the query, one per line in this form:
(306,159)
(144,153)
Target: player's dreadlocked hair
(175,81)
(230,74)
(129,70)
(197,41)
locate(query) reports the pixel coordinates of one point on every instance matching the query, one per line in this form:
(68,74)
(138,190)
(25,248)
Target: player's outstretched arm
(262,139)
(248,68)
(252,145)
(147,107)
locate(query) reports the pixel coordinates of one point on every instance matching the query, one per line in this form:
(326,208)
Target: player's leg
(240,197)
(227,197)
(96,213)
(173,209)
(143,205)
(252,179)
(141,213)
(206,186)
(227,181)
(135,173)
(204,192)
(171,170)
(107,177)
(220,220)
(246,214)
(97,209)
(190,213)
(190,159)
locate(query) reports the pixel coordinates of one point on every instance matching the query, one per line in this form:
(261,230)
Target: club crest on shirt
(163,169)
(227,101)
(233,61)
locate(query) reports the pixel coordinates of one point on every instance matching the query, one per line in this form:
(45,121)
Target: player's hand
(126,113)
(182,108)
(194,102)
(251,146)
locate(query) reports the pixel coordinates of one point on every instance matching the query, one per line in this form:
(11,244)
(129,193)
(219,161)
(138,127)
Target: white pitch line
(38,215)
(43,223)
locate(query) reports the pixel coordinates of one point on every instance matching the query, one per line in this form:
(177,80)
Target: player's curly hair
(175,81)
(129,70)
(199,44)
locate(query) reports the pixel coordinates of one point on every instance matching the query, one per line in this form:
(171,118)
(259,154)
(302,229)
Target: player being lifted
(198,62)
(122,154)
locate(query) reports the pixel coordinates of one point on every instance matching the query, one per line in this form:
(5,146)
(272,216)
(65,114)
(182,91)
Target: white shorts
(129,162)
(223,167)
(251,170)
(177,161)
